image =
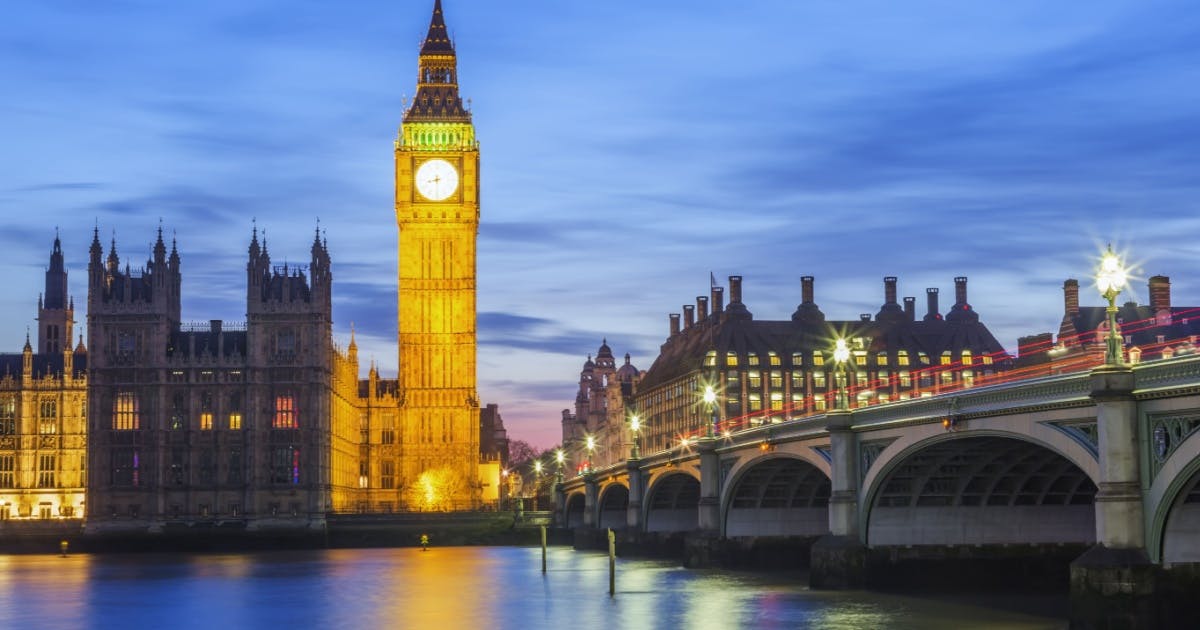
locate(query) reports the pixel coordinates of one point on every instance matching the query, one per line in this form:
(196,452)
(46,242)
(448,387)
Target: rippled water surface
(446,589)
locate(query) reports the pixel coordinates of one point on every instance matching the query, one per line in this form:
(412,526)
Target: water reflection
(442,589)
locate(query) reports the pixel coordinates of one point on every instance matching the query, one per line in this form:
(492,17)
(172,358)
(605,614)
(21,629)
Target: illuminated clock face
(436,179)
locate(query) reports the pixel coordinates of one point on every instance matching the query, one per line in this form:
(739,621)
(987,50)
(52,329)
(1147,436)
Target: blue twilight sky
(629,148)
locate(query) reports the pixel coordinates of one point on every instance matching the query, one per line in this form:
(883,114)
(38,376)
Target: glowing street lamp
(841,354)
(559,458)
(635,425)
(710,399)
(1110,280)
(591,446)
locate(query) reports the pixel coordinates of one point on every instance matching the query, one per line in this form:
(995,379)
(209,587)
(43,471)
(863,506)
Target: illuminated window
(968,378)
(905,379)
(285,412)
(755,379)
(923,358)
(387,435)
(946,358)
(798,402)
(881,358)
(966,357)
(387,474)
(818,358)
(731,359)
(48,422)
(752,359)
(883,398)
(47,467)
(797,359)
(797,381)
(818,380)
(819,402)
(776,401)
(235,412)
(860,358)
(8,415)
(126,416)
(860,379)
(987,359)
(947,378)
(902,357)
(206,417)
(774,358)
(8,467)
(710,359)
(777,380)
(755,402)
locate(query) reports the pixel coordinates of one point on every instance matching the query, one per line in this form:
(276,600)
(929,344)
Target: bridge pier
(1114,584)
(633,511)
(590,493)
(839,559)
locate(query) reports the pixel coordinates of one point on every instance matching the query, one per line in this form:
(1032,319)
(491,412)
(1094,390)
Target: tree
(520,453)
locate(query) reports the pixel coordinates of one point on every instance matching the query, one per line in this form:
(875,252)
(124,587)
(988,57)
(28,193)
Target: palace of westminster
(266,423)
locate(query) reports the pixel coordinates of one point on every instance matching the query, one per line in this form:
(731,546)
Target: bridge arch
(776,495)
(573,511)
(672,503)
(981,487)
(1173,505)
(612,506)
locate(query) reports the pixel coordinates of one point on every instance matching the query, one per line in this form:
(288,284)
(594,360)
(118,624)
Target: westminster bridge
(1106,461)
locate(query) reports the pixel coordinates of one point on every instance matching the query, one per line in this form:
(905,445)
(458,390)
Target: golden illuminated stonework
(437,212)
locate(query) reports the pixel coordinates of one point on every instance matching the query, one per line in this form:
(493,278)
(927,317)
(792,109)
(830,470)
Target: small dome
(627,372)
(604,352)
(588,365)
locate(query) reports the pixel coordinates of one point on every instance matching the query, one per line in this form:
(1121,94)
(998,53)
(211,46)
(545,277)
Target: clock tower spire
(437,213)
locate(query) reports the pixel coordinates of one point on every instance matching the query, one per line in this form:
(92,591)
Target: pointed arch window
(285,412)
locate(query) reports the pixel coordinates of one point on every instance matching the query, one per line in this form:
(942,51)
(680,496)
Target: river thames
(456,587)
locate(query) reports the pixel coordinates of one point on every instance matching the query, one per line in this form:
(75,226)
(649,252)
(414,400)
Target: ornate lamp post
(635,425)
(840,355)
(591,446)
(710,400)
(559,458)
(1110,280)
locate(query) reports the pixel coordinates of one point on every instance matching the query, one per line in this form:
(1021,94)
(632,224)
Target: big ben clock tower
(437,211)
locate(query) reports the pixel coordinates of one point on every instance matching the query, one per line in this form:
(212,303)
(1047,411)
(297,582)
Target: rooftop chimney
(1071,296)
(910,308)
(960,290)
(718,299)
(689,316)
(931,299)
(866,317)
(889,290)
(736,308)
(674,323)
(1160,300)
(806,289)
(1160,293)
(701,308)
